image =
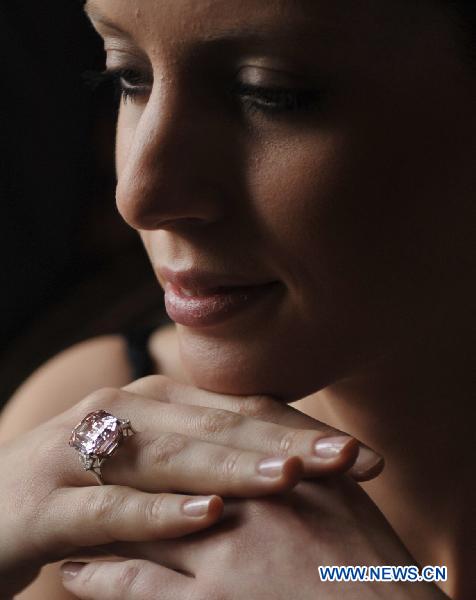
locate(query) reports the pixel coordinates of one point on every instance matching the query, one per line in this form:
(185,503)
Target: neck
(412,407)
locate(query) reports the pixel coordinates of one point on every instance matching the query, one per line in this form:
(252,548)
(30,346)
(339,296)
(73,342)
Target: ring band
(97,437)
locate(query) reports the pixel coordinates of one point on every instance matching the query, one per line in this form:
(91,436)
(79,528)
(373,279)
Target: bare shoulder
(64,380)
(79,370)
(60,383)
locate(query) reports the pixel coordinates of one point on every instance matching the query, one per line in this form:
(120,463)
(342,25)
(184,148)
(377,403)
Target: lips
(196,299)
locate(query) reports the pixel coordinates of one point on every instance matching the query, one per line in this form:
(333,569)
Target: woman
(301,175)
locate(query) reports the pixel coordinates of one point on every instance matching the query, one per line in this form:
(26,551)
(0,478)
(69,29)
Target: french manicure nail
(70,569)
(197,507)
(271,467)
(330,447)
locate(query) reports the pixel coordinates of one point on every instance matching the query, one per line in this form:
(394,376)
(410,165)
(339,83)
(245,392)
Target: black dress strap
(137,350)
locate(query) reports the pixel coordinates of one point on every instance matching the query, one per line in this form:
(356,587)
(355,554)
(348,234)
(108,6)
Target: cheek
(290,186)
(334,229)
(304,207)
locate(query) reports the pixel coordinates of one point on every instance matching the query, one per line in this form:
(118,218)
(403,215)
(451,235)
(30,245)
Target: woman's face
(311,159)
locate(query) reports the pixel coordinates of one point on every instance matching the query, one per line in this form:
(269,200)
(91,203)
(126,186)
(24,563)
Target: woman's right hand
(51,511)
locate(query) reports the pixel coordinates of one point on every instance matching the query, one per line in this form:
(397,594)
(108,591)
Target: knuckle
(162,387)
(161,381)
(107,505)
(258,407)
(128,578)
(157,385)
(230,466)
(89,576)
(218,421)
(155,510)
(162,450)
(288,441)
(101,398)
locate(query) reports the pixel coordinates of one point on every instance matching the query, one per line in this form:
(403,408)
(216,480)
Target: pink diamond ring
(97,437)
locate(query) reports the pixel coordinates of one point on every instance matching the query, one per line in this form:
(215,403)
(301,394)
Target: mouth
(193,301)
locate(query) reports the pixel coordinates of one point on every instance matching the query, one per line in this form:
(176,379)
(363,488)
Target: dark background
(71,269)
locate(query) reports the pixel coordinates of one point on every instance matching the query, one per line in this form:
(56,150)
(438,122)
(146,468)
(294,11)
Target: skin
(285,539)
(371,320)
(195,446)
(296,198)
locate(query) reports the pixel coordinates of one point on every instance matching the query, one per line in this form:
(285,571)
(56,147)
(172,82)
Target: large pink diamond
(99,433)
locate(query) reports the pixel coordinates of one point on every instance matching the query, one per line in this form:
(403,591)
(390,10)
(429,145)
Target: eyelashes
(127,83)
(276,100)
(131,85)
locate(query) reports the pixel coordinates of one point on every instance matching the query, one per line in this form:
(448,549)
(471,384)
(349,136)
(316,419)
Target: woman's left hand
(263,548)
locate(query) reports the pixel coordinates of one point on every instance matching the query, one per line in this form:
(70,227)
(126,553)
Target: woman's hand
(337,451)
(51,511)
(263,548)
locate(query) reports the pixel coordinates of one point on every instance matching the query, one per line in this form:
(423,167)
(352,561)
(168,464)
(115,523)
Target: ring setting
(97,437)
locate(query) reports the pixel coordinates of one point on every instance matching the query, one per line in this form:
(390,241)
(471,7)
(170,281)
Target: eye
(130,84)
(276,100)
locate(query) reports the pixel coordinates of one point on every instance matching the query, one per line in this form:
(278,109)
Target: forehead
(201,19)
(185,12)
(361,35)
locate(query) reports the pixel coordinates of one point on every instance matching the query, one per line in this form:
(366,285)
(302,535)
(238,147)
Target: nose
(165,165)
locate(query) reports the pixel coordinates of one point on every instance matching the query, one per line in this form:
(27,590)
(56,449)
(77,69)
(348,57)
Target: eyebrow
(249,34)
(97,16)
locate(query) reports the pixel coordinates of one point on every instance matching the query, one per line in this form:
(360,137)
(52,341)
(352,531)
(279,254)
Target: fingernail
(271,467)
(70,569)
(330,447)
(197,507)
(366,460)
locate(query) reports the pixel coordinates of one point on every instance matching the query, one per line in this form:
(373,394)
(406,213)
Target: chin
(249,369)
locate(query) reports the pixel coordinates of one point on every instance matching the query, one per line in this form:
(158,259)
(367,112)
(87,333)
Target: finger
(187,554)
(156,460)
(175,462)
(363,462)
(73,518)
(236,449)
(125,580)
(177,554)
(320,453)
